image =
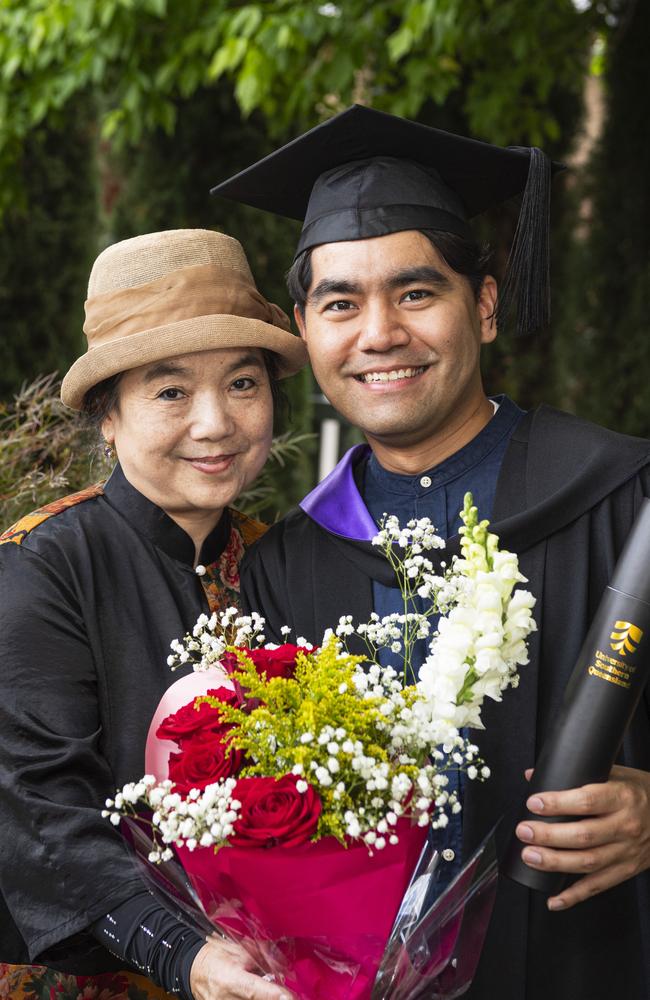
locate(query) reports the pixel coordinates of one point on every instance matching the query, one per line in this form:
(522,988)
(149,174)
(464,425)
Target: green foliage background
(292,59)
(47,243)
(117,116)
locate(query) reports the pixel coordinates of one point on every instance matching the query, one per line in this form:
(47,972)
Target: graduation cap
(365,173)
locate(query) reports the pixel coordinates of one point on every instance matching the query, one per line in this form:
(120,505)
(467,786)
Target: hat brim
(203,333)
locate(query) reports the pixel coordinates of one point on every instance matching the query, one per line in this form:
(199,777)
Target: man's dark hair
(103,399)
(463,256)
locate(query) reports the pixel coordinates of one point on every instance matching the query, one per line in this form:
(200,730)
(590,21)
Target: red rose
(190,722)
(202,762)
(280,662)
(274,812)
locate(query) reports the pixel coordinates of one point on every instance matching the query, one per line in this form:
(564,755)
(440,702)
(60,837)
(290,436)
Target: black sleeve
(61,864)
(146,935)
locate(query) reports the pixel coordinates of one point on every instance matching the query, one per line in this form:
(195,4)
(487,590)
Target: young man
(394,303)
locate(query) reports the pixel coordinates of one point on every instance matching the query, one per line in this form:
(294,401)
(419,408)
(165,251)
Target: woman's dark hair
(463,256)
(100,401)
(103,399)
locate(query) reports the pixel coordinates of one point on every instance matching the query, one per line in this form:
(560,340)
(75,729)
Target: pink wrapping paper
(329,909)
(181,692)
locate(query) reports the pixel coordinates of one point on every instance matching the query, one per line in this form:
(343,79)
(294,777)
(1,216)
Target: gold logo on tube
(627,637)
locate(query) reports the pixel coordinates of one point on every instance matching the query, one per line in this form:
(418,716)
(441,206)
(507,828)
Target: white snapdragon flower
(506,566)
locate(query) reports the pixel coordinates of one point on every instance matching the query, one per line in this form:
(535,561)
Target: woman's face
(192,431)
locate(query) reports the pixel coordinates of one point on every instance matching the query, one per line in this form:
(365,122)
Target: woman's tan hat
(169,293)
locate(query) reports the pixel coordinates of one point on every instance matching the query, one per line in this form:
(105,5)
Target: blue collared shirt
(439,494)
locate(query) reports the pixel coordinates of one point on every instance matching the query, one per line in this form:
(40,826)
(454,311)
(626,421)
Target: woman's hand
(223,970)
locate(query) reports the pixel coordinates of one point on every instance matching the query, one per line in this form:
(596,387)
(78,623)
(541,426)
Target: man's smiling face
(394,336)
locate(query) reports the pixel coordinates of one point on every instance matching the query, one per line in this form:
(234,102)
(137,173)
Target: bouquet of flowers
(297,785)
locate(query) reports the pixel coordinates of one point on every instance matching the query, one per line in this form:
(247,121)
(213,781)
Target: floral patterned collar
(221,578)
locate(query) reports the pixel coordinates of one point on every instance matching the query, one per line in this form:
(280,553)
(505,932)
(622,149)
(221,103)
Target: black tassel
(527,285)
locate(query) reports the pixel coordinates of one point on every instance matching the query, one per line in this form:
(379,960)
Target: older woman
(183,353)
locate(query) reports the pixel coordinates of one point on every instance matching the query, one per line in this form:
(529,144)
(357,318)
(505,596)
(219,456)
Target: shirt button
(448,854)
(426,482)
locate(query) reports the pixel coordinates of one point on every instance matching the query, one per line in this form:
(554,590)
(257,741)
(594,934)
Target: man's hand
(608,847)
(223,970)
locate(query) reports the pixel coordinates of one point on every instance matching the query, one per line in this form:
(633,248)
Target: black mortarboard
(365,173)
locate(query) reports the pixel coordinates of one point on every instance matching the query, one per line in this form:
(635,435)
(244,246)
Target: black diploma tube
(600,698)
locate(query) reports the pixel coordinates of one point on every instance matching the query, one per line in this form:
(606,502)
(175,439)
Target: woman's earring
(109,451)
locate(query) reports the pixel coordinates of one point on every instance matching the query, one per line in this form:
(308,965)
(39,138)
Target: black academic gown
(94,588)
(566,498)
